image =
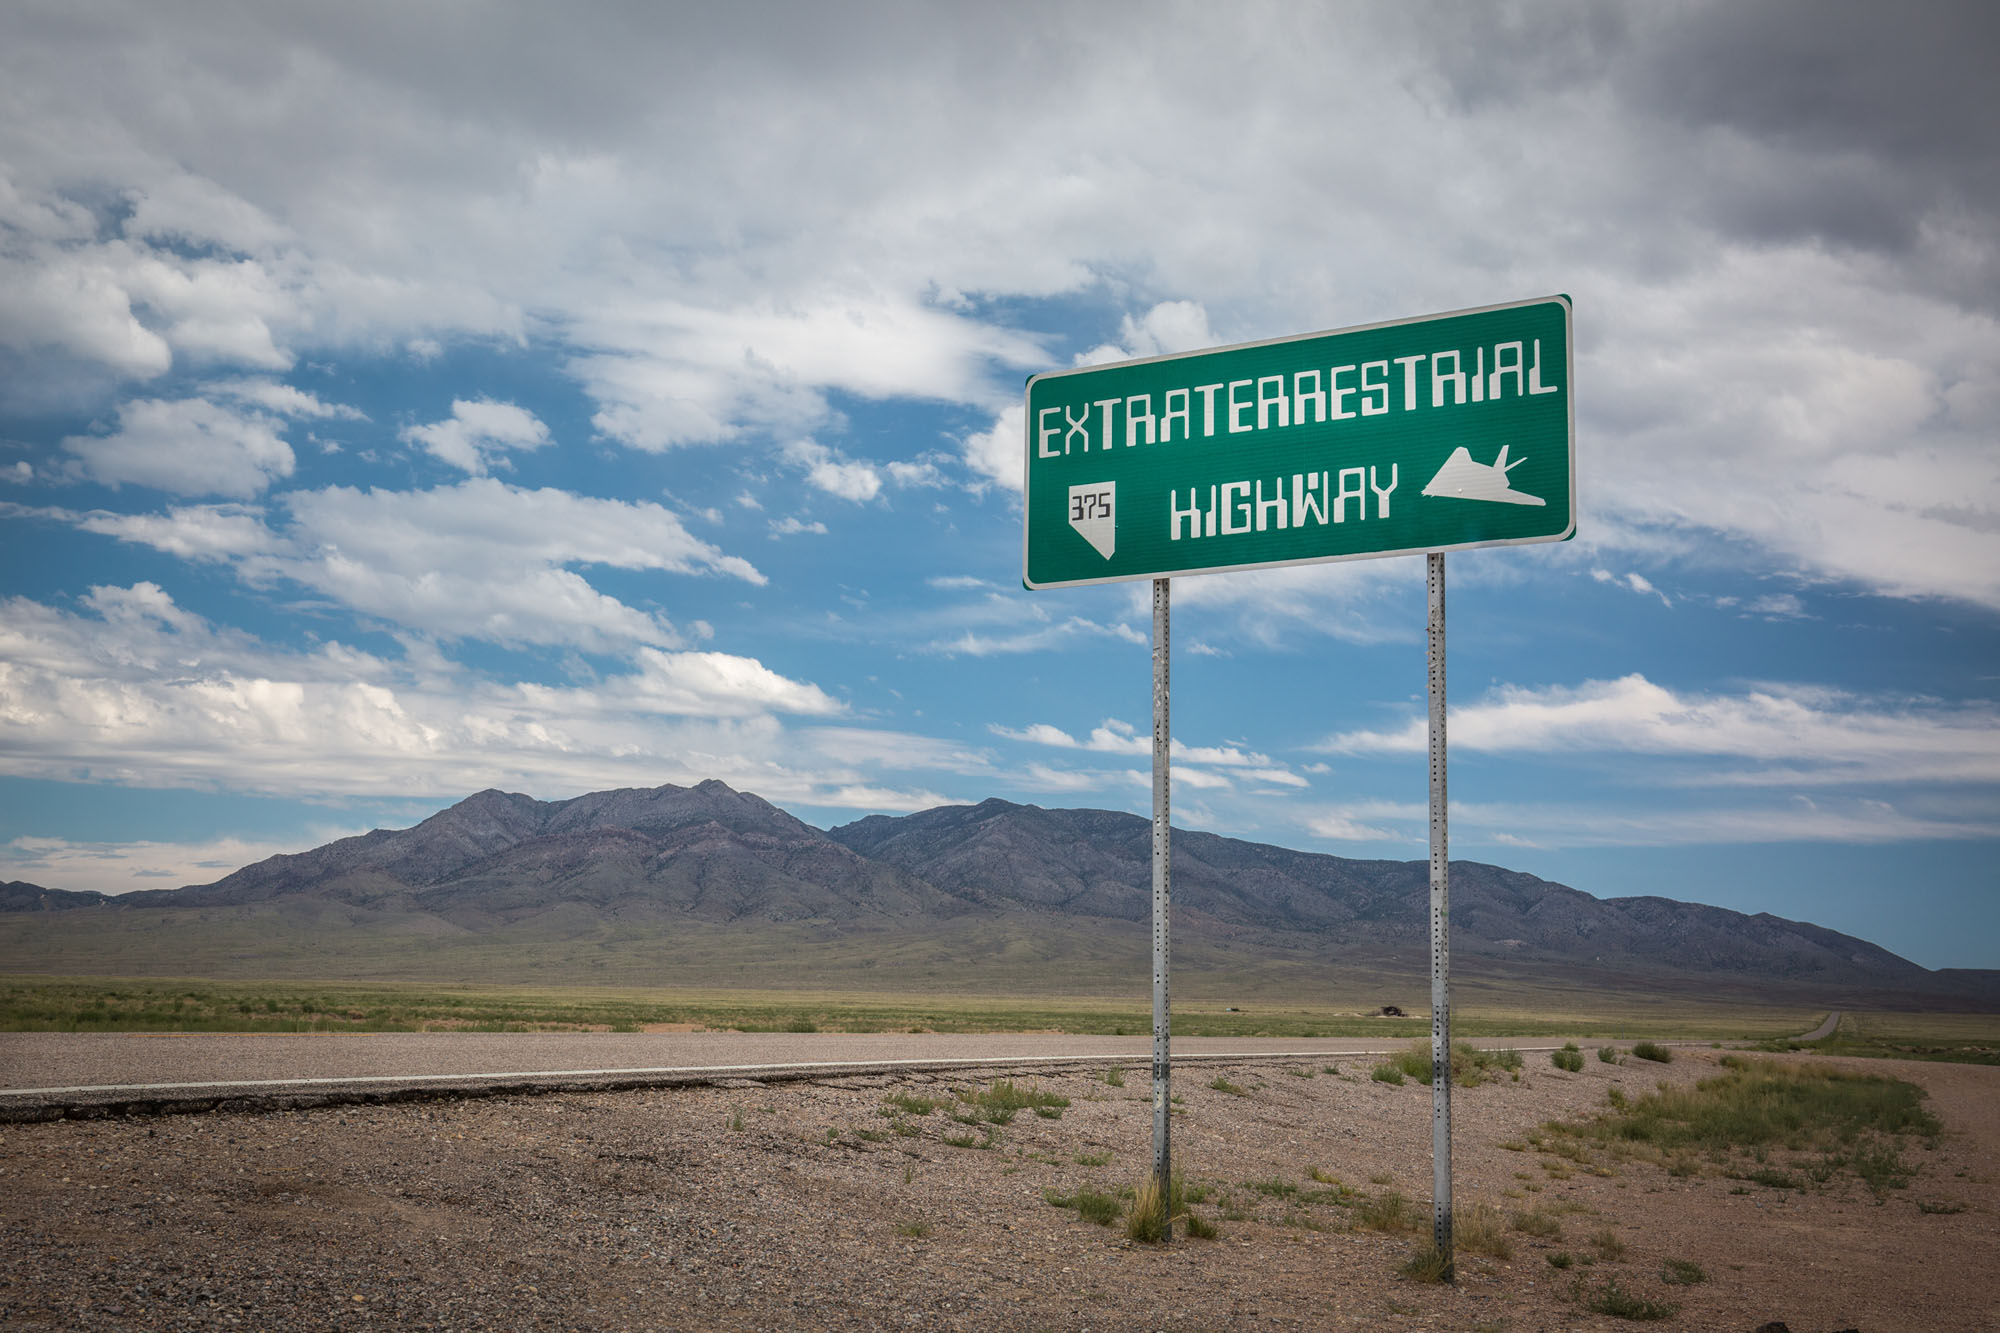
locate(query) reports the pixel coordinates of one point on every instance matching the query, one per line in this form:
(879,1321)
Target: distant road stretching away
(82,1069)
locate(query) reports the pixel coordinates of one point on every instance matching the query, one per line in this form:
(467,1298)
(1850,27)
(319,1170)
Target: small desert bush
(1479,1230)
(909,1104)
(1387,1073)
(998,1104)
(1148,1216)
(1115,1077)
(1536,1222)
(1414,1062)
(1150,1219)
(914,1230)
(1569,1058)
(1609,1248)
(1619,1303)
(1879,1165)
(1652,1050)
(1430,1264)
(1090,1205)
(1387,1211)
(1470,1066)
(1005,1093)
(1682,1273)
(1770,1177)
(1221,1084)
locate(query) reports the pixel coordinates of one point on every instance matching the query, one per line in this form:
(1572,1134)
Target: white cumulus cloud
(1793,734)
(478,560)
(827,470)
(189,446)
(478,433)
(135,689)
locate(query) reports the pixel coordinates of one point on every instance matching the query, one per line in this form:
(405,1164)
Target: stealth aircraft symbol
(1461,478)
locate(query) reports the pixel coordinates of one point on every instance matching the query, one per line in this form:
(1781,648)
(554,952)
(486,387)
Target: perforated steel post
(1162,882)
(1440,931)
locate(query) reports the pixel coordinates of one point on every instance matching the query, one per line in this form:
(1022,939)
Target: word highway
(1242,506)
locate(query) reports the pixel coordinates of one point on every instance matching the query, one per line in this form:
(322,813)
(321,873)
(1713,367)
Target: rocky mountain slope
(682,863)
(705,851)
(1099,863)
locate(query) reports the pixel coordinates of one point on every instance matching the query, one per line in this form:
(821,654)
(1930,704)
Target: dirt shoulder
(802,1205)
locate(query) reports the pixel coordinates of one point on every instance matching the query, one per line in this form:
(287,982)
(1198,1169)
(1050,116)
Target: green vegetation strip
(1967,1039)
(1469,1066)
(42,1003)
(1828,1119)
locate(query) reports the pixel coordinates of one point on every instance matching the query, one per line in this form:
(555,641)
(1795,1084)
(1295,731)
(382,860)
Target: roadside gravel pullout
(817,1203)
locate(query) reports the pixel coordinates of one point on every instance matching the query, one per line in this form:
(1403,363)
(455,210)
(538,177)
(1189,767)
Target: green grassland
(1782,1125)
(318,965)
(1277,986)
(99,1004)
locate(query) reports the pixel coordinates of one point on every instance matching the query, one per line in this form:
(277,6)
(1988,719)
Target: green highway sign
(1431,434)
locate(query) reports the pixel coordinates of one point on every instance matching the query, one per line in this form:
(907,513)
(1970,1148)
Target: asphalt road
(151,1070)
(44,1074)
(66,1060)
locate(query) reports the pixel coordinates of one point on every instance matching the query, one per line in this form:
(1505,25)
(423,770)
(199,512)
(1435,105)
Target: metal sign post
(1440,433)
(1162,886)
(1440,931)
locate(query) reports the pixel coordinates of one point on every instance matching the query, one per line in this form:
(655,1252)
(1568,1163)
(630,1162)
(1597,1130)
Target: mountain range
(708,885)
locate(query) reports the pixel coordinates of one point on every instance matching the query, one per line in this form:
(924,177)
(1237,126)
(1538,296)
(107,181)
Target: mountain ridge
(679,863)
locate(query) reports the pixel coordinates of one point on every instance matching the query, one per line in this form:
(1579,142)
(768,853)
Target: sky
(399,401)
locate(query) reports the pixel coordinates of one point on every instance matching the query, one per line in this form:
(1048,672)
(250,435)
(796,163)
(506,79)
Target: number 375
(1089,504)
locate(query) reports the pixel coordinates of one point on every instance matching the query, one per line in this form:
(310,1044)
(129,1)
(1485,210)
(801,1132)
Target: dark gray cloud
(1877,120)
(1907,83)
(1843,122)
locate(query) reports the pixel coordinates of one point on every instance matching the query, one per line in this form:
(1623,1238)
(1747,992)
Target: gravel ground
(803,1205)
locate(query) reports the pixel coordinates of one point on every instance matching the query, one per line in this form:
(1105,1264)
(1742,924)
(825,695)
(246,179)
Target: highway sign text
(1429,434)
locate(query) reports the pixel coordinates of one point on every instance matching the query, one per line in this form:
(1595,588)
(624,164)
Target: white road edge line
(700,1070)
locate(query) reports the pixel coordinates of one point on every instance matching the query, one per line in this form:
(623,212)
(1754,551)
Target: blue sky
(396,402)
